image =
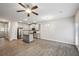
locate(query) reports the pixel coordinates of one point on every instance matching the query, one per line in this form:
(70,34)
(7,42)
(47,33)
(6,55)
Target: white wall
(12,30)
(61,30)
(24,26)
(77,30)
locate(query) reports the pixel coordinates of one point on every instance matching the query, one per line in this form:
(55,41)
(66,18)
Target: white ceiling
(47,11)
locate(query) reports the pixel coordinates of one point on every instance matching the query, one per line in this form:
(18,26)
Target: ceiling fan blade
(34,13)
(20,10)
(22,5)
(28,14)
(35,7)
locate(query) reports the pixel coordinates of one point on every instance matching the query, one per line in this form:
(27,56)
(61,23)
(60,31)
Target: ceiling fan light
(28,10)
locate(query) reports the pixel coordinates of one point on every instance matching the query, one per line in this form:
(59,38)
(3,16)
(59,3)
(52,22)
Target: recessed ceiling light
(47,17)
(20,21)
(60,11)
(25,19)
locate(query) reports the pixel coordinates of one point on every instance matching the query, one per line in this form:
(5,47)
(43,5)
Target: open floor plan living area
(39,29)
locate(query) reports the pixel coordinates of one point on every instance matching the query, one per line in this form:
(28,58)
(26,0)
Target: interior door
(3,29)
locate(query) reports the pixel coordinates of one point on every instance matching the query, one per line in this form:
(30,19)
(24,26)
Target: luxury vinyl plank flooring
(38,47)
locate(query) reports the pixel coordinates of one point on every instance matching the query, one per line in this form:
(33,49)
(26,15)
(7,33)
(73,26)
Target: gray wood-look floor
(38,47)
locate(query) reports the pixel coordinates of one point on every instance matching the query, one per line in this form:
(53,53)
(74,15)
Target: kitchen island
(28,38)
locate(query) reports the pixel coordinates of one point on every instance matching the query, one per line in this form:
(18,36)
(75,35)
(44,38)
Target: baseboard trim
(59,41)
(76,49)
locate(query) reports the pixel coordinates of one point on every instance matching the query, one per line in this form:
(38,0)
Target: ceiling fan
(28,9)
